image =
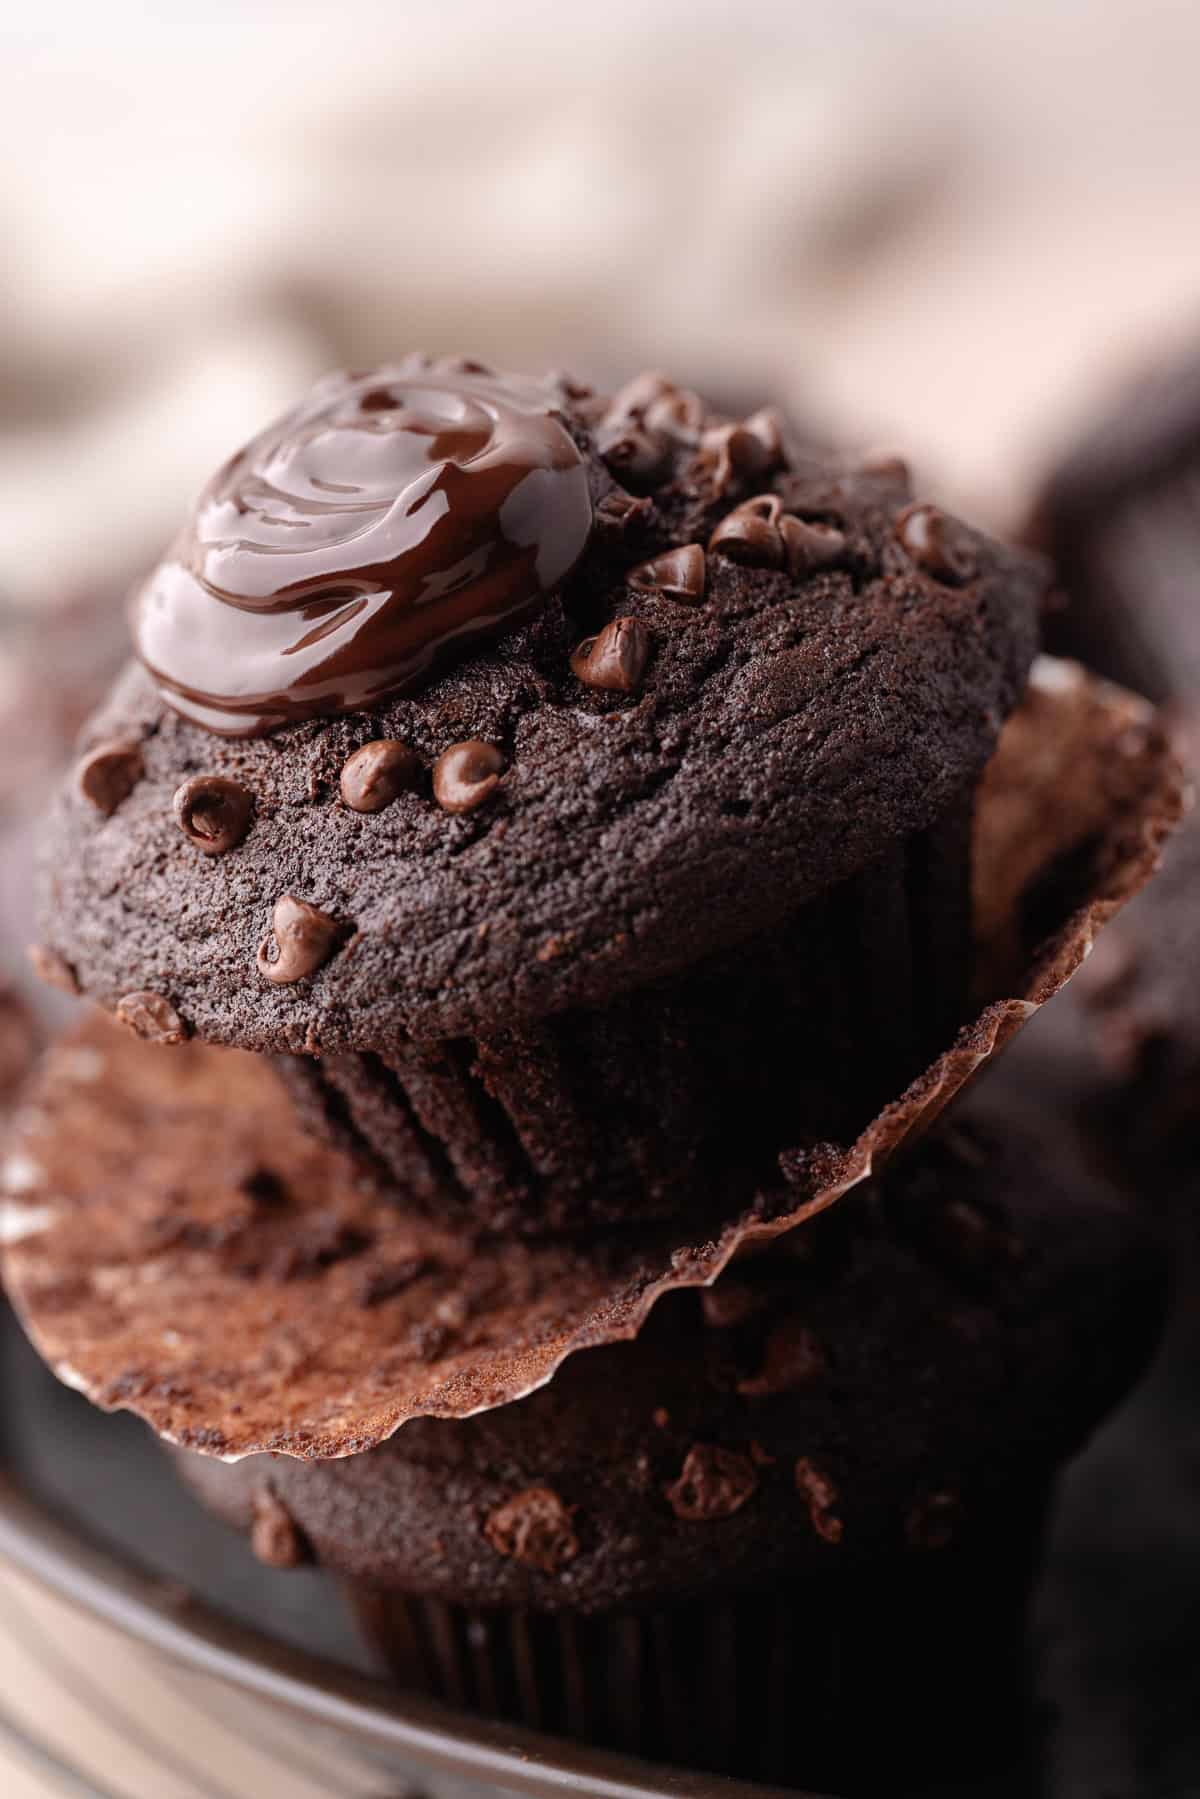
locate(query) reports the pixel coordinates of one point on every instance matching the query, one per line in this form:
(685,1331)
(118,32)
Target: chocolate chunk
(934,1522)
(375,774)
(713,1483)
(821,1494)
(615,659)
(213,813)
(750,534)
(793,1357)
(534,1527)
(466,774)
(635,454)
(677,573)
(108,774)
(52,968)
(275,1537)
(151,1016)
(304,938)
(808,545)
(938,544)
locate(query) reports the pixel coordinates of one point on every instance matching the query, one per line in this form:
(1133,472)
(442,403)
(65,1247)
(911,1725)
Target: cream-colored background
(939,223)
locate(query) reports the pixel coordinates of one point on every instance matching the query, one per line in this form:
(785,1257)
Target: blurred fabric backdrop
(938,224)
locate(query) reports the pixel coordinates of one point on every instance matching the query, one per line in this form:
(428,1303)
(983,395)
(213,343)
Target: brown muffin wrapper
(686,1090)
(897,1671)
(206,1263)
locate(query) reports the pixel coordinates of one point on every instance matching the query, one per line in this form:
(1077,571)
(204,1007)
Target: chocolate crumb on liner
(258,1292)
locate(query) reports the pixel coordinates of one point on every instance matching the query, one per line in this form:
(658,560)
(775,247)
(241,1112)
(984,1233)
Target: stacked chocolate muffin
(577,799)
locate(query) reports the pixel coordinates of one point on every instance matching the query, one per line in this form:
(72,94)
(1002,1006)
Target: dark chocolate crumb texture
(487,734)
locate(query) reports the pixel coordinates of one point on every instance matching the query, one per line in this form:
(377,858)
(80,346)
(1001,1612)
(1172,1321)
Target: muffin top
(895,1376)
(638,681)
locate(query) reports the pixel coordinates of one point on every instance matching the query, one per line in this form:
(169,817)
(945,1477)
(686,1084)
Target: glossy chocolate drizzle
(387,520)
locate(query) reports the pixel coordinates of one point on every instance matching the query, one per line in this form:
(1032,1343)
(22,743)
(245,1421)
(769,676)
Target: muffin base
(881,1678)
(682,1090)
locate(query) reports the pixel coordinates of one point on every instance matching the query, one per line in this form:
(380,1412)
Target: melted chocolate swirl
(386,520)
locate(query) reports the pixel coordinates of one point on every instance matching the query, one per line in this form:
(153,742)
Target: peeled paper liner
(178,1247)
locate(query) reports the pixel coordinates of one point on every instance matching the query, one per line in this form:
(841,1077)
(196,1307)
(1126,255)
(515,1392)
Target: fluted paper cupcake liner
(683,1091)
(178,1246)
(897,1671)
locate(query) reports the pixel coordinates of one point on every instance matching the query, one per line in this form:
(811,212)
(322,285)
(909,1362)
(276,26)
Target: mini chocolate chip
(52,968)
(766,427)
(679,413)
(304,938)
(275,1537)
(615,659)
(934,1522)
(678,573)
(377,773)
(638,456)
(792,1358)
(750,534)
(109,773)
(466,774)
(939,544)
(821,1494)
(213,813)
(634,399)
(809,546)
(619,512)
(534,1528)
(713,1483)
(729,452)
(151,1016)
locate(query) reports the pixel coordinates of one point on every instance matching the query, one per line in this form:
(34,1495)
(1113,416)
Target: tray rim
(62,1555)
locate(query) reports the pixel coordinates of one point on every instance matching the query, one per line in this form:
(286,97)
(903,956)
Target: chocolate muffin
(578,791)
(1121,518)
(804,1498)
